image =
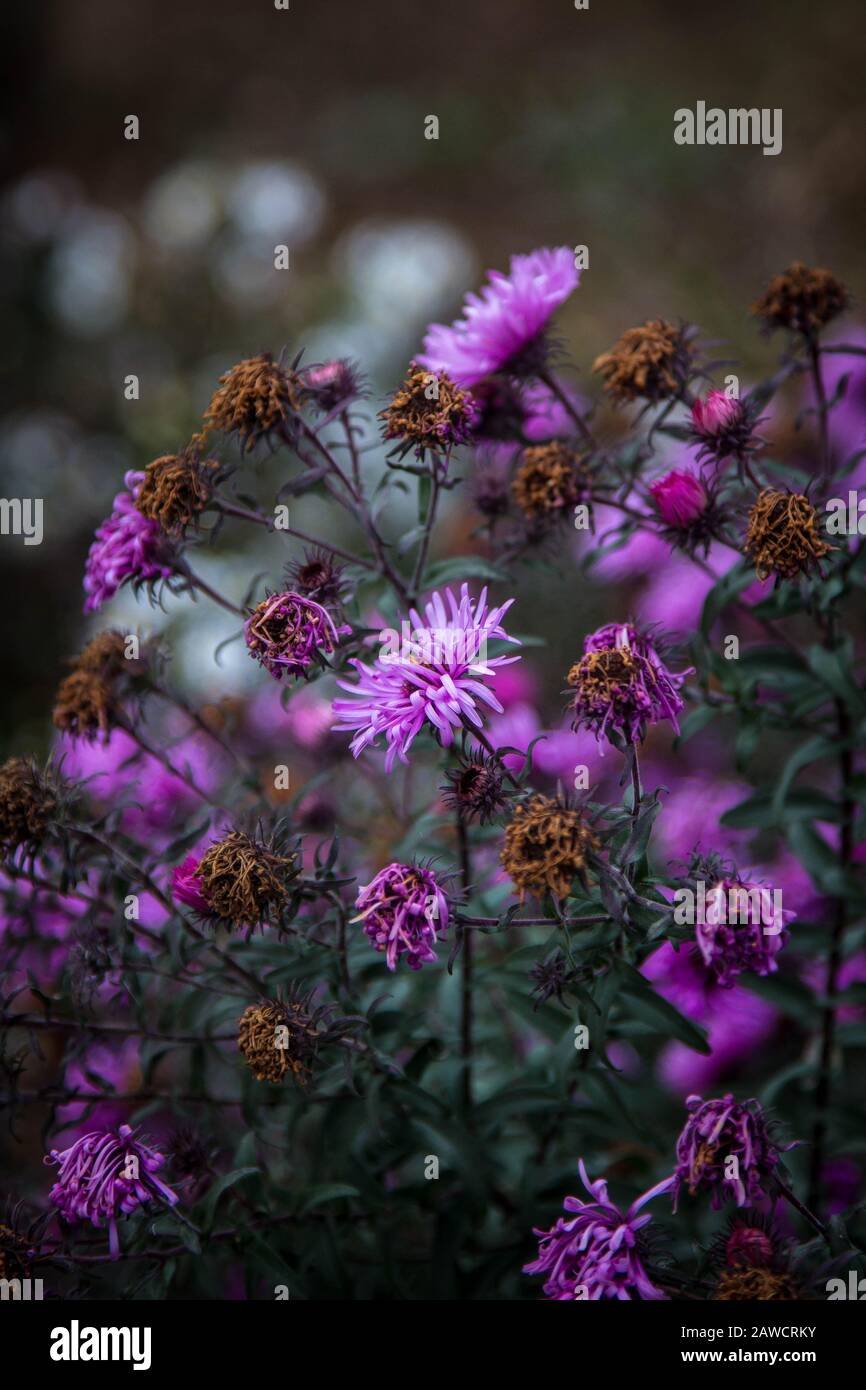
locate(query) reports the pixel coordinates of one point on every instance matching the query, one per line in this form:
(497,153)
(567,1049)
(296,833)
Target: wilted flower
(283,1036)
(475,787)
(105,1175)
(317,576)
(332,384)
(257,398)
(783,536)
(725,1149)
(650,363)
(127,548)
(757,1285)
(680,498)
(433,679)
(595,1253)
(502,328)
(547,845)
(287,633)
(405,912)
(86,706)
(28,801)
(621,684)
(176,488)
(243,882)
(551,479)
(801,299)
(743,929)
(429,413)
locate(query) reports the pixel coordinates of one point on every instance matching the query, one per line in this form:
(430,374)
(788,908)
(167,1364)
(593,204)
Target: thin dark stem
(801,1207)
(466,964)
(821,396)
(197,582)
(583,429)
(259,519)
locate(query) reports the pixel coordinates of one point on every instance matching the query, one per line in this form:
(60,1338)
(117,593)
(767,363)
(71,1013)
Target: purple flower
(594,1254)
(725,1149)
(127,547)
(743,929)
(717,414)
(332,384)
(187,888)
(505,321)
(287,632)
(680,498)
(621,684)
(106,1174)
(404,911)
(430,674)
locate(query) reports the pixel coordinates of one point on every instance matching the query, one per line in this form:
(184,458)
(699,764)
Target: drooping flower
(649,363)
(783,536)
(186,886)
(429,413)
(743,929)
(595,1253)
(107,1174)
(547,845)
(288,632)
(621,684)
(680,497)
(127,548)
(436,677)
(405,912)
(725,1149)
(502,328)
(803,299)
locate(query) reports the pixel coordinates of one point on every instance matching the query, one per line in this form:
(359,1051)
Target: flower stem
(466,977)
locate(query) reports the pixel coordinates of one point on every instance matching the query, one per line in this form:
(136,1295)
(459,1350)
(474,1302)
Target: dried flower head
(405,912)
(243,881)
(86,706)
(621,684)
(551,479)
(28,801)
(756,1285)
(475,788)
(278,1037)
(725,1149)
(287,633)
(21,1237)
(802,299)
(650,363)
(429,412)
(257,398)
(317,576)
(783,536)
(176,489)
(547,845)
(105,655)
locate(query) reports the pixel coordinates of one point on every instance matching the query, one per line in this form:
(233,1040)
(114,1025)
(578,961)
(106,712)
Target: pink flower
(127,547)
(404,910)
(716,415)
(186,887)
(680,498)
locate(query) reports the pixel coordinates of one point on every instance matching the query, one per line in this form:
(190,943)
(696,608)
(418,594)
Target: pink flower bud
(680,497)
(716,414)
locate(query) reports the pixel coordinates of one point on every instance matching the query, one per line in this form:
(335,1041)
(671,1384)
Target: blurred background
(306,127)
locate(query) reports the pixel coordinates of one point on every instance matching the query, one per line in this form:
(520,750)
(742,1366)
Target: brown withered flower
(547,845)
(282,1037)
(783,536)
(28,800)
(245,882)
(257,398)
(85,706)
(176,489)
(475,788)
(756,1284)
(551,479)
(429,412)
(648,363)
(105,655)
(802,299)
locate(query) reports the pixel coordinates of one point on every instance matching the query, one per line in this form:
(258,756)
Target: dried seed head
(429,412)
(546,845)
(475,788)
(105,655)
(28,801)
(277,1038)
(550,480)
(650,363)
(317,576)
(783,536)
(176,489)
(245,883)
(801,299)
(756,1285)
(85,706)
(256,398)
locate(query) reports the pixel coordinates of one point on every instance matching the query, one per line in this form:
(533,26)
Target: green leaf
(460,567)
(654,1010)
(328,1192)
(223,1184)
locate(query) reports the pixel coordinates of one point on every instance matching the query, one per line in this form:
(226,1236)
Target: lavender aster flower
(725,1149)
(594,1253)
(743,929)
(503,325)
(404,910)
(127,547)
(432,678)
(106,1174)
(621,684)
(287,632)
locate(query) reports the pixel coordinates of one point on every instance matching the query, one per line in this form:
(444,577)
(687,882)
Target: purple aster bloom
(505,322)
(106,1174)
(287,632)
(127,547)
(430,675)
(725,1149)
(187,888)
(594,1253)
(404,912)
(621,684)
(744,928)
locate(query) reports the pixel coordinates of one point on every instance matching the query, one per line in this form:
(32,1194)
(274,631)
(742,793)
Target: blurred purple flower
(127,547)
(404,912)
(733,937)
(725,1149)
(187,888)
(680,498)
